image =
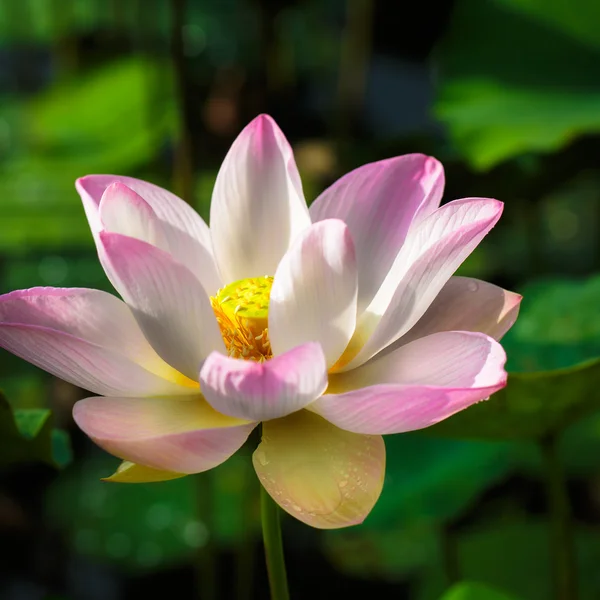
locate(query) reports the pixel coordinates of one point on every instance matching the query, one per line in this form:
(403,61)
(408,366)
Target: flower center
(242,311)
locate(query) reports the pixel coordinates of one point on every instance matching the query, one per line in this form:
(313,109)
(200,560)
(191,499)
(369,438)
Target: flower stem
(271,528)
(561,540)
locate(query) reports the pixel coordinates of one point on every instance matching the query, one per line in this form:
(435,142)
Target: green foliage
(513,555)
(553,351)
(112,120)
(27,435)
(474,591)
(518,77)
(434,480)
(428,483)
(148,526)
(531,406)
(558,326)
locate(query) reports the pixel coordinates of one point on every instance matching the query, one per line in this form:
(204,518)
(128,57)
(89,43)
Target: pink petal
(466,304)
(258,207)
(168,302)
(88,338)
(183,435)
(185,233)
(416,385)
(430,255)
(268,390)
(123,211)
(314,292)
(379,202)
(324,476)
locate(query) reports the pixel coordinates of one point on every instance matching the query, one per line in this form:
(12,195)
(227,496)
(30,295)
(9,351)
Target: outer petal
(129,472)
(258,207)
(168,302)
(379,202)
(185,233)
(183,435)
(467,304)
(263,391)
(430,255)
(417,385)
(314,292)
(88,338)
(323,476)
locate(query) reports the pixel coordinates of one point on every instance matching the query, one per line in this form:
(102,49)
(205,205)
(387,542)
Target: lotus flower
(331,326)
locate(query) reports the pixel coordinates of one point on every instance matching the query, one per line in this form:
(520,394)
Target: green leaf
(512,554)
(558,326)
(518,77)
(114,119)
(433,480)
(475,591)
(27,435)
(428,482)
(531,406)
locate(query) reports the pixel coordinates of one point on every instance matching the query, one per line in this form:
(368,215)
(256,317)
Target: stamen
(245,337)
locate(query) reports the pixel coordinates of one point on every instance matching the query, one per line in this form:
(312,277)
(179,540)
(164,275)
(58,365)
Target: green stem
(271,528)
(561,542)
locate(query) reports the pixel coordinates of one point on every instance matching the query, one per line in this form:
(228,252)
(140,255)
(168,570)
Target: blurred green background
(506,93)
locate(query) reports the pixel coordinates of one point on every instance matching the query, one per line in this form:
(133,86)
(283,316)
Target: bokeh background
(506,93)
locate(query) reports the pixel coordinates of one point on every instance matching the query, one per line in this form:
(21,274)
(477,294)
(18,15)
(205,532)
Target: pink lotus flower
(333,325)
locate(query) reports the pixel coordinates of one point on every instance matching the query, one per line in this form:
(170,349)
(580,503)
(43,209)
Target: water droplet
(472,286)
(261,457)
(297,508)
(343,484)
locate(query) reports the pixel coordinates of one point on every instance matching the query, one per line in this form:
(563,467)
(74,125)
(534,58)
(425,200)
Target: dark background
(506,93)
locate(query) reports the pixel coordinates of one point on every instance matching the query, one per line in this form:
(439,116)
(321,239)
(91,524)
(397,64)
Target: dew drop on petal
(262,458)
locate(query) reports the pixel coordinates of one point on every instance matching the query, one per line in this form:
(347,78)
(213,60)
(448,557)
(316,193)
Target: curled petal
(257,207)
(416,385)
(181,435)
(324,476)
(125,212)
(379,202)
(183,232)
(268,390)
(314,291)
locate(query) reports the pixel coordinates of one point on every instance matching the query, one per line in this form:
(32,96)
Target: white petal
(379,202)
(429,257)
(314,292)
(168,302)
(257,206)
(467,304)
